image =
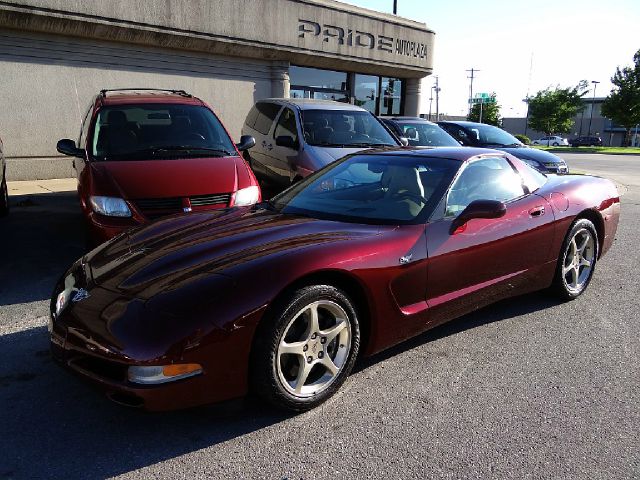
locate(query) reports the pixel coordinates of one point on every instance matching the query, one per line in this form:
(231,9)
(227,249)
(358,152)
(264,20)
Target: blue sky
(569,40)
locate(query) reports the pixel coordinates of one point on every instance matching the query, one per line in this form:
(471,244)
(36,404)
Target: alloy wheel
(579,260)
(314,348)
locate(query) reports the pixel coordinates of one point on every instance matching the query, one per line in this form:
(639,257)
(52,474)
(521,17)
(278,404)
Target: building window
(379,95)
(391,96)
(366,88)
(318,84)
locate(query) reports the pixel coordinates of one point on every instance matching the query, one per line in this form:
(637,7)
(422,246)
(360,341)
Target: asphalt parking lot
(527,388)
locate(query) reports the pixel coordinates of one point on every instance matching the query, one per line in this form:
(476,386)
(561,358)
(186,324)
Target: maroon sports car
(280,298)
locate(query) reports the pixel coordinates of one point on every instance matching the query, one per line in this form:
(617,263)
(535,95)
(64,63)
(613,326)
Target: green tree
(623,103)
(490,112)
(552,111)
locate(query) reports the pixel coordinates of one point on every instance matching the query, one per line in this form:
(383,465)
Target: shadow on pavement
(39,239)
(56,426)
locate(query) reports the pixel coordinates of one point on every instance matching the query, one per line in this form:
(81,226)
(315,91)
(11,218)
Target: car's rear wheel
(577,260)
(555,144)
(306,348)
(4,198)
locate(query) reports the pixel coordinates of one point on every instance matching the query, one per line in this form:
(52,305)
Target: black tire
(561,287)
(4,198)
(556,144)
(267,372)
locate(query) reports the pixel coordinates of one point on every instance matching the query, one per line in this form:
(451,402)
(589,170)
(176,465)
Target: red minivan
(146,153)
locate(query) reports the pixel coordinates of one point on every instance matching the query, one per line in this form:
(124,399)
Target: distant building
(611,134)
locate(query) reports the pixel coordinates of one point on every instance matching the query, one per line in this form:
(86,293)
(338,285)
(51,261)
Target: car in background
(554,141)
(296,137)
(4,190)
(474,134)
(147,153)
(420,132)
(587,141)
(280,299)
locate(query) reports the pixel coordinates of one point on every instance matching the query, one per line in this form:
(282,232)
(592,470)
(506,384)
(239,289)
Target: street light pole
(431,101)
(395,7)
(437,101)
(593,103)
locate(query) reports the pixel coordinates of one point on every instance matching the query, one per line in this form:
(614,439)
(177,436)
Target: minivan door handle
(537,211)
(268,146)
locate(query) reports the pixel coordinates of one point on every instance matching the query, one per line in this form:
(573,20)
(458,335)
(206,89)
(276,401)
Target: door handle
(537,211)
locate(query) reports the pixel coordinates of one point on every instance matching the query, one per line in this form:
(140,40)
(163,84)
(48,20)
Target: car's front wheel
(306,348)
(555,144)
(4,198)
(577,260)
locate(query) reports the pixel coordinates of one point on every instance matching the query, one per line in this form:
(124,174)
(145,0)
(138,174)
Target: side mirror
(286,141)
(404,141)
(478,209)
(246,142)
(68,147)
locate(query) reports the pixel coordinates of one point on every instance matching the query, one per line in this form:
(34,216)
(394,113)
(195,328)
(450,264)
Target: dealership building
(55,55)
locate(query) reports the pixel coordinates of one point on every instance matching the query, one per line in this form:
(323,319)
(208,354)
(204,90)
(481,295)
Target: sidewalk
(33,187)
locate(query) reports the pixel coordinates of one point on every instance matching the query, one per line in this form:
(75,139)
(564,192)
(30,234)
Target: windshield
(158,131)
(426,135)
(378,189)
(344,128)
(490,136)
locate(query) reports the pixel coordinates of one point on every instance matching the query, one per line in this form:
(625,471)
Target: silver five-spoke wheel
(314,348)
(578,260)
(305,347)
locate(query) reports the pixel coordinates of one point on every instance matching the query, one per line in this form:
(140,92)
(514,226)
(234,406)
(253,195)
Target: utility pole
(395,7)
(473,71)
(437,101)
(430,101)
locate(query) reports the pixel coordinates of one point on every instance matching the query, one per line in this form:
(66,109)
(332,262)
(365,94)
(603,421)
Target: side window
(84,130)
(251,116)
(485,179)
(287,125)
(267,113)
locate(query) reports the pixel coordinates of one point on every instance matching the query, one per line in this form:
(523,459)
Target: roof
(313,104)
(409,120)
(460,154)
(466,123)
(135,96)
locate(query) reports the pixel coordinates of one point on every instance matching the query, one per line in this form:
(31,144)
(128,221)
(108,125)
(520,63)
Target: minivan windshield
(372,189)
(344,128)
(158,131)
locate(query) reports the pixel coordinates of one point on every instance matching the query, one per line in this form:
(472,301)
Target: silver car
(296,137)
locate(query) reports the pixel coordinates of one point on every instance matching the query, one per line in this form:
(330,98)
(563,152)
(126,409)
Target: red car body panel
(194,288)
(153,178)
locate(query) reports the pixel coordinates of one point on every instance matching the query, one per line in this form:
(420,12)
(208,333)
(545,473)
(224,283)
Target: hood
(165,178)
(173,252)
(323,156)
(533,154)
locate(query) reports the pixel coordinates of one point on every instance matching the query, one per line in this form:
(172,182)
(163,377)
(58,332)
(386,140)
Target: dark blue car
(474,134)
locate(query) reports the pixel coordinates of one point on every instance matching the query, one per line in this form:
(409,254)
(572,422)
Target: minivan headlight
(247,196)
(110,206)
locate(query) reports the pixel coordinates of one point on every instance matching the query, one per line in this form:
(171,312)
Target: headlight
(150,375)
(110,206)
(247,196)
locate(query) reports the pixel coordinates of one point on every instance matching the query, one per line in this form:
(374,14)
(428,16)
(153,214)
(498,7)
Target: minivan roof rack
(182,93)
